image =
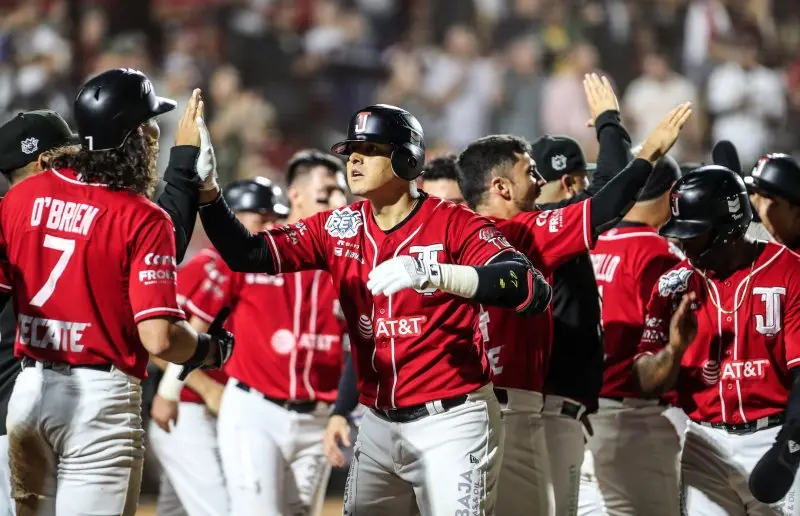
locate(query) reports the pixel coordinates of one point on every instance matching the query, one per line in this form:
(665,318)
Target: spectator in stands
(652,95)
(519,110)
(563,111)
(747,100)
(462,88)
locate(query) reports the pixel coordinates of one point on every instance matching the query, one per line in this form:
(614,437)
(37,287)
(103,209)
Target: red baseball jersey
(737,369)
(417,345)
(518,347)
(87,264)
(289,330)
(205,275)
(627,261)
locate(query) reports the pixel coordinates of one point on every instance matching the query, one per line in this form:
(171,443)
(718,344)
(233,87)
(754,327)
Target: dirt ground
(333,507)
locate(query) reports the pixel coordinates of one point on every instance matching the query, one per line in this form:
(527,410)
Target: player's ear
(566,182)
(502,186)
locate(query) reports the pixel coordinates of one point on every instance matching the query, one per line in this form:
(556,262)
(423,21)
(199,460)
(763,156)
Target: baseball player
(775,192)
(192,481)
(440,179)
(722,329)
(506,189)
(91,262)
(635,447)
(410,270)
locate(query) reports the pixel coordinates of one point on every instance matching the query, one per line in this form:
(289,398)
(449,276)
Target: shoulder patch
(343,223)
(674,281)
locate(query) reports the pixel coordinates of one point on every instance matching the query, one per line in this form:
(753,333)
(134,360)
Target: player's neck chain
(740,302)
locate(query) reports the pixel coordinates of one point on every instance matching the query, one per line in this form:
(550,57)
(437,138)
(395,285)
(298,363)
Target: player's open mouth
(354,173)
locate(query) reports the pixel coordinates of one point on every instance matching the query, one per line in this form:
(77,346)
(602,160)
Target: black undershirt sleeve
(614,200)
(180,196)
(240,249)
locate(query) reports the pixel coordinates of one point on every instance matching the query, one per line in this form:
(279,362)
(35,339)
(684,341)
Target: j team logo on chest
(769,323)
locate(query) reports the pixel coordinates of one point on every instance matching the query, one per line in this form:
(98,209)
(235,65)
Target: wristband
(459,280)
(170,387)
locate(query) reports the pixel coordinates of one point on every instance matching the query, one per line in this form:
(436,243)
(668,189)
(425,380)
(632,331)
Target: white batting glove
(206,161)
(398,273)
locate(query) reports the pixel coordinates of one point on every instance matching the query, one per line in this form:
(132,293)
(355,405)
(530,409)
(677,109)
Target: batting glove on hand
(206,160)
(398,273)
(220,346)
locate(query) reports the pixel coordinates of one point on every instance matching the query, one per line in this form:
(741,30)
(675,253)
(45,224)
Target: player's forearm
(657,374)
(241,250)
(615,150)
(511,281)
(613,201)
(347,395)
(183,341)
(180,196)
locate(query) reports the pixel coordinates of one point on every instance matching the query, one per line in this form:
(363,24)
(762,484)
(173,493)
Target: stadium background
(280,75)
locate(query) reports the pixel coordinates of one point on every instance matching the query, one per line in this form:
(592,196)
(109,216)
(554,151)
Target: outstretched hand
(599,95)
(666,133)
(188,132)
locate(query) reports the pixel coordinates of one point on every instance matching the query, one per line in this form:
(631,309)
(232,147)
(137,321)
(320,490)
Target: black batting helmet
(382,123)
(708,200)
(776,175)
(110,106)
(258,194)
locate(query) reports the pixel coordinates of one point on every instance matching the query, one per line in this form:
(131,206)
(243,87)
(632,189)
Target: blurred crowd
(279,75)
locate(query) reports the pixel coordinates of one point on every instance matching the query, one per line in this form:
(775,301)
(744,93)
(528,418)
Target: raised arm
(613,201)
(615,143)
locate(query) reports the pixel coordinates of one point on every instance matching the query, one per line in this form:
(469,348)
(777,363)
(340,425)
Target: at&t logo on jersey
(744,369)
(674,282)
(711,372)
(365,327)
(400,326)
(284,342)
(343,223)
(50,333)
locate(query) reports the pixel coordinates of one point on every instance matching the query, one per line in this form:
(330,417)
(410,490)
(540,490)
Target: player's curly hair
(131,167)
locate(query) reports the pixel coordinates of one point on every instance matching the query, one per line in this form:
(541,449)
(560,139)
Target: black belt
(301,407)
(409,414)
(29,362)
(502,396)
(750,426)
(621,400)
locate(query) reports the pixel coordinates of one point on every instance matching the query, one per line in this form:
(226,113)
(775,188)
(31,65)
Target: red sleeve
(478,241)
(300,246)
(558,235)
(791,318)
(153,276)
(656,323)
(212,292)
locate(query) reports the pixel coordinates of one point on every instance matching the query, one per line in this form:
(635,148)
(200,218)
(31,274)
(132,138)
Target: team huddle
(436,313)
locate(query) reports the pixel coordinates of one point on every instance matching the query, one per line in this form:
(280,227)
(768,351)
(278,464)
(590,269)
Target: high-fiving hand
(599,95)
(666,133)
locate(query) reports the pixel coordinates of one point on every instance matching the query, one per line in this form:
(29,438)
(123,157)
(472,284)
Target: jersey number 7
(67,247)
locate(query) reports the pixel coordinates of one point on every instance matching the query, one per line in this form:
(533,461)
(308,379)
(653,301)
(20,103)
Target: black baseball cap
(29,134)
(556,156)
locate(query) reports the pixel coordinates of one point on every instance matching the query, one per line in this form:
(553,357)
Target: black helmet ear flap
(408,161)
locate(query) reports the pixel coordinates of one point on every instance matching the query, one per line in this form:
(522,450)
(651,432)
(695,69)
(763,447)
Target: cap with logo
(29,134)
(557,155)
